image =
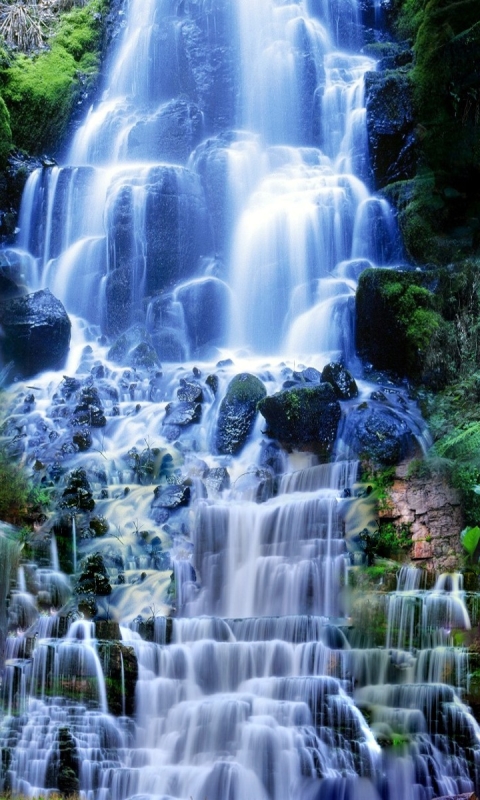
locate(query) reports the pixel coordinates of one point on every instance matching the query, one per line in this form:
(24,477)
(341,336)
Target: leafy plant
(471,541)
(19,498)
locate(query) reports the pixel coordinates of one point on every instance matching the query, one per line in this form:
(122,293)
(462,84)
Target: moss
(397,321)
(41,91)
(5,133)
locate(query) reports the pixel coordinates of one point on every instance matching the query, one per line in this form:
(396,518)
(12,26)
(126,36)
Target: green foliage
(5,133)
(471,540)
(454,419)
(20,500)
(390,540)
(379,481)
(41,91)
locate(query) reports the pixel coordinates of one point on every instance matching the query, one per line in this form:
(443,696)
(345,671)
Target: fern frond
(462,442)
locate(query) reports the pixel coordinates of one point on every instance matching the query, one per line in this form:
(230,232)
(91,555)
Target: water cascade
(213,214)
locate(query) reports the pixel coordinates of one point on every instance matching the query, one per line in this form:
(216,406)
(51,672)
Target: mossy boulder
(303,418)
(237,413)
(397,321)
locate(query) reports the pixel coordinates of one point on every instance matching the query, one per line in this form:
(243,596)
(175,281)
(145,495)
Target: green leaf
(470,539)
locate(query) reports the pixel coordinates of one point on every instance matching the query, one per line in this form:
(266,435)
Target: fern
(461,443)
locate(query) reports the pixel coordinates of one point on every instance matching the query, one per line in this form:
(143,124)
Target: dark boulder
(93,579)
(78,493)
(379,435)
(304,418)
(237,413)
(89,409)
(36,332)
(391,126)
(342,381)
(83,438)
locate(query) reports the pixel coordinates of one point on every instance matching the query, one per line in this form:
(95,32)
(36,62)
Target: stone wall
(433,510)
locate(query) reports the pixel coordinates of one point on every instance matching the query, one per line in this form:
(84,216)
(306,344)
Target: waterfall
(212,217)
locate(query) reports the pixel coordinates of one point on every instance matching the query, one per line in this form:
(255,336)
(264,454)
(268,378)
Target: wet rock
(238,412)
(255,484)
(89,409)
(99,525)
(303,418)
(69,387)
(390,125)
(176,235)
(379,434)
(83,439)
(205,305)
(68,765)
(307,375)
(171,497)
(343,21)
(132,347)
(342,381)
(120,667)
(169,135)
(213,383)
(217,480)
(272,456)
(36,333)
(397,323)
(208,49)
(143,356)
(93,579)
(78,493)
(182,414)
(190,392)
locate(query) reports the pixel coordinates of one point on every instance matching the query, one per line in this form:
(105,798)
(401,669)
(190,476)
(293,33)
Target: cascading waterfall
(216,198)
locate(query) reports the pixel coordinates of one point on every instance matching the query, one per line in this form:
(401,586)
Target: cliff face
(432,511)
(423,108)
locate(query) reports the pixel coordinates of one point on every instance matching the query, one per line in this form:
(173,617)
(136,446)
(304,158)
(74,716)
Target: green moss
(41,91)
(5,133)
(398,320)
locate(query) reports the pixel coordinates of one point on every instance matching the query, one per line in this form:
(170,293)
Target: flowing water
(216,197)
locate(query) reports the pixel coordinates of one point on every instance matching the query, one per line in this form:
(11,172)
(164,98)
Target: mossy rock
(237,413)
(303,418)
(397,321)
